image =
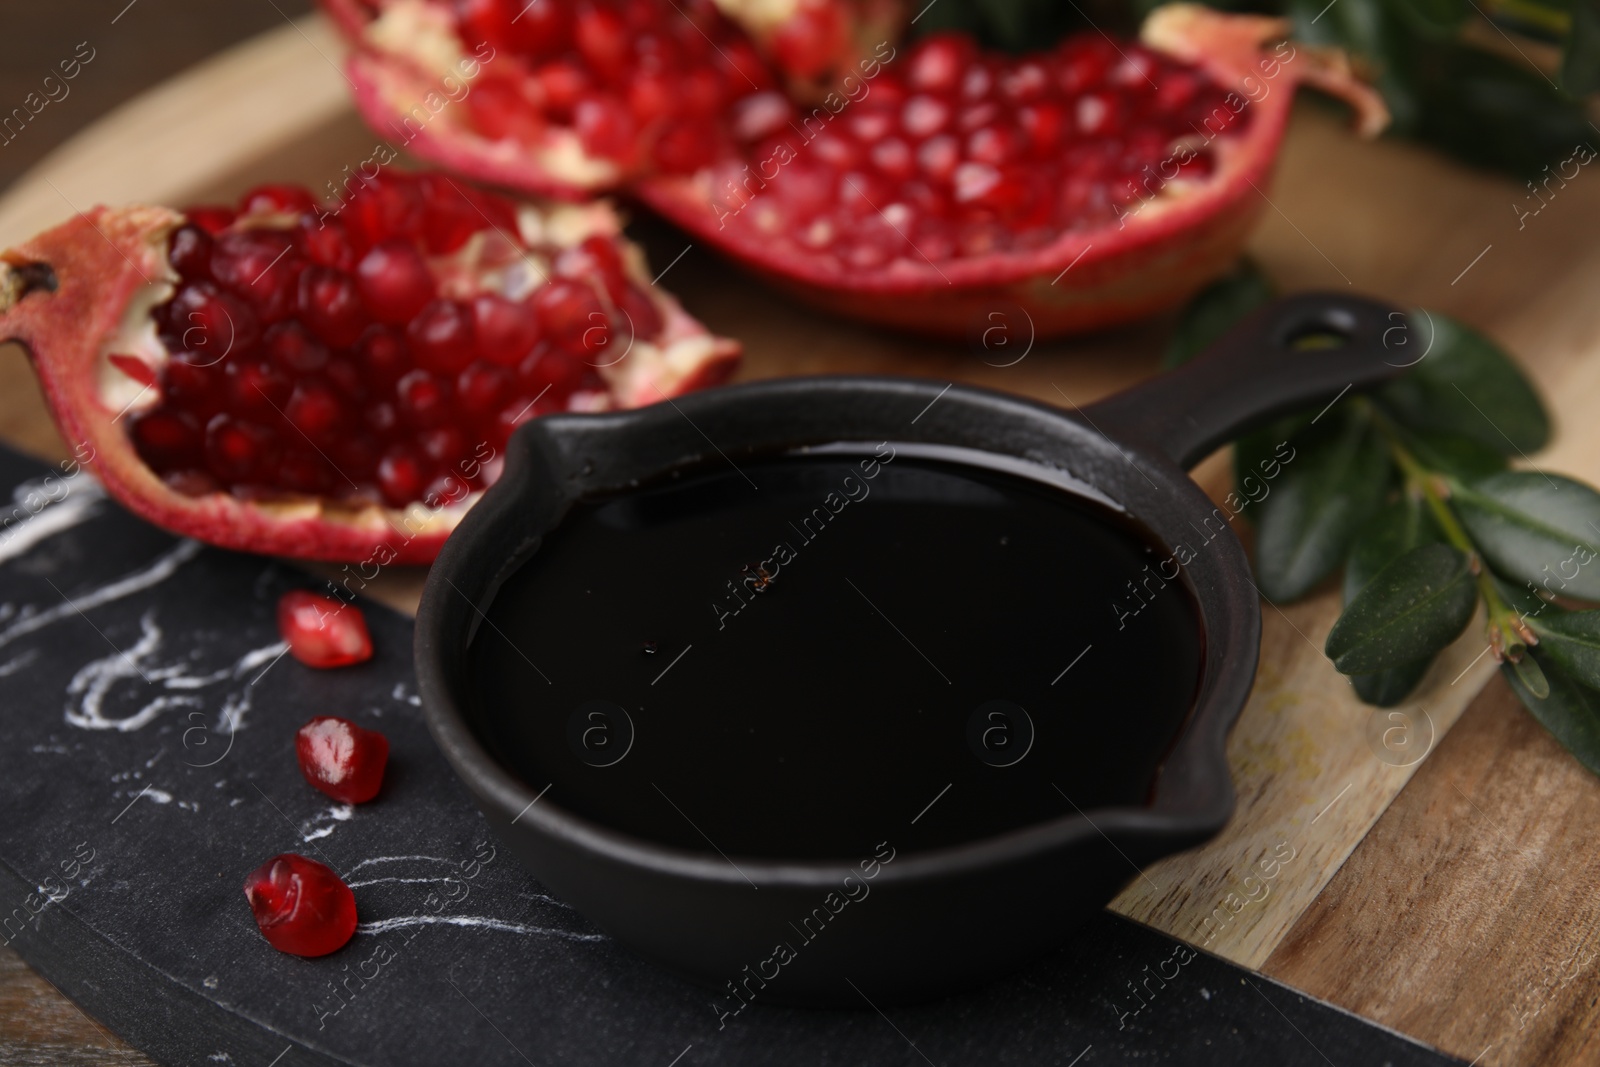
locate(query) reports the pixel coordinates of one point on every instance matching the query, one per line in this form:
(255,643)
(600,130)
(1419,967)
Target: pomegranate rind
(110,268)
(1156,256)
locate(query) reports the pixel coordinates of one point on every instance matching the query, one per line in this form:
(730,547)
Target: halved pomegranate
(337,382)
(1089,184)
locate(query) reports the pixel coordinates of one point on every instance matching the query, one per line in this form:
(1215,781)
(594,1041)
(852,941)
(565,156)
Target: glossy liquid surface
(873,645)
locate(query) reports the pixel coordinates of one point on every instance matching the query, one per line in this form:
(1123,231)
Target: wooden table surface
(1452,899)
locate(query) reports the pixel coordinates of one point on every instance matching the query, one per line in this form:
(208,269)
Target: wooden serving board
(1313,772)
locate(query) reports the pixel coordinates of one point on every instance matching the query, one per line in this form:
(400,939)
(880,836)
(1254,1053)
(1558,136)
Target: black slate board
(130,812)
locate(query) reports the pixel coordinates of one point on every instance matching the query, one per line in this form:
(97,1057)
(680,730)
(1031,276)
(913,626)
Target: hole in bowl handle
(1299,351)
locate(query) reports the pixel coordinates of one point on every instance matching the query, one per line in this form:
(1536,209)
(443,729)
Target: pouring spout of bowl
(1303,350)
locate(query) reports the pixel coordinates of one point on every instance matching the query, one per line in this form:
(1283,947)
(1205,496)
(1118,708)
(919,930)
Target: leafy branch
(1409,491)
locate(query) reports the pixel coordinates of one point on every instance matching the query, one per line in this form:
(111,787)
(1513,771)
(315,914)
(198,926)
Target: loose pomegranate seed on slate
(322,631)
(301,907)
(312,346)
(342,759)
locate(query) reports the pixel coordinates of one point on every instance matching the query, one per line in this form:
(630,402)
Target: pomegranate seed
(342,759)
(441,337)
(260,266)
(293,349)
(314,409)
(322,631)
(190,251)
(325,242)
(382,354)
(167,439)
(812,38)
(203,319)
(504,331)
(237,451)
(424,399)
(330,305)
(499,110)
(601,38)
(939,62)
(482,387)
(386,206)
(605,127)
(210,218)
(443,444)
(571,315)
(401,475)
(300,906)
(394,281)
(258,388)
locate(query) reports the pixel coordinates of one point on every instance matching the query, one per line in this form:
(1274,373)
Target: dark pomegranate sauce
(877,643)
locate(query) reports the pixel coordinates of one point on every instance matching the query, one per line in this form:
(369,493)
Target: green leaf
(1396,529)
(1412,608)
(1464,384)
(1258,456)
(1434,16)
(1215,310)
(1580,62)
(1532,677)
(1572,640)
(1490,111)
(1537,528)
(1448,453)
(1571,711)
(1334,479)
(1390,687)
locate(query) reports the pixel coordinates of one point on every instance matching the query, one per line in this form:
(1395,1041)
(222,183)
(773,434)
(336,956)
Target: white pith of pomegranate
(338,384)
(936,181)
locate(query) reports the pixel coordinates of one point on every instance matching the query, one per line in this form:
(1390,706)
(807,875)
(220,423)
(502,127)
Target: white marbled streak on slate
(29,621)
(83,499)
(479,921)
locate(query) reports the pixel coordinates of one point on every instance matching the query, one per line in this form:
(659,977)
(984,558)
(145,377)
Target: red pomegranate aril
(939,156)
(383,354)
(300,906)
(381,417)
(643,320)
(1044,126)
(394,281)
(440,337)
(192,380)
(601,38)
(203,319)
(260,266)
(190,251)
(401,476)
(684,147)
(652,94)
(423,399)
(594,259)
(1099,113)
(237,451)
(549,374)
(292,348)
(992,144)
(213,219)
(561,85)
(605,127)
(499,110)
(321,631)
(939,62)
(256,387)
(505,331)
(923,116)
(324,241)
(342,759)
(303,471)
(346,376)
(571,315)
(330,305)
(482,387)
(167,439)
(386,206)
(809,41)
(314,410)
(540,29)
(444,445)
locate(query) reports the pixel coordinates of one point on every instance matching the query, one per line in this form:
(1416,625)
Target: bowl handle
(1296,352)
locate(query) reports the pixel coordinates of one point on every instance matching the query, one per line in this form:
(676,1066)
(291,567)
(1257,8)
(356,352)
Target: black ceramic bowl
(943,918)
